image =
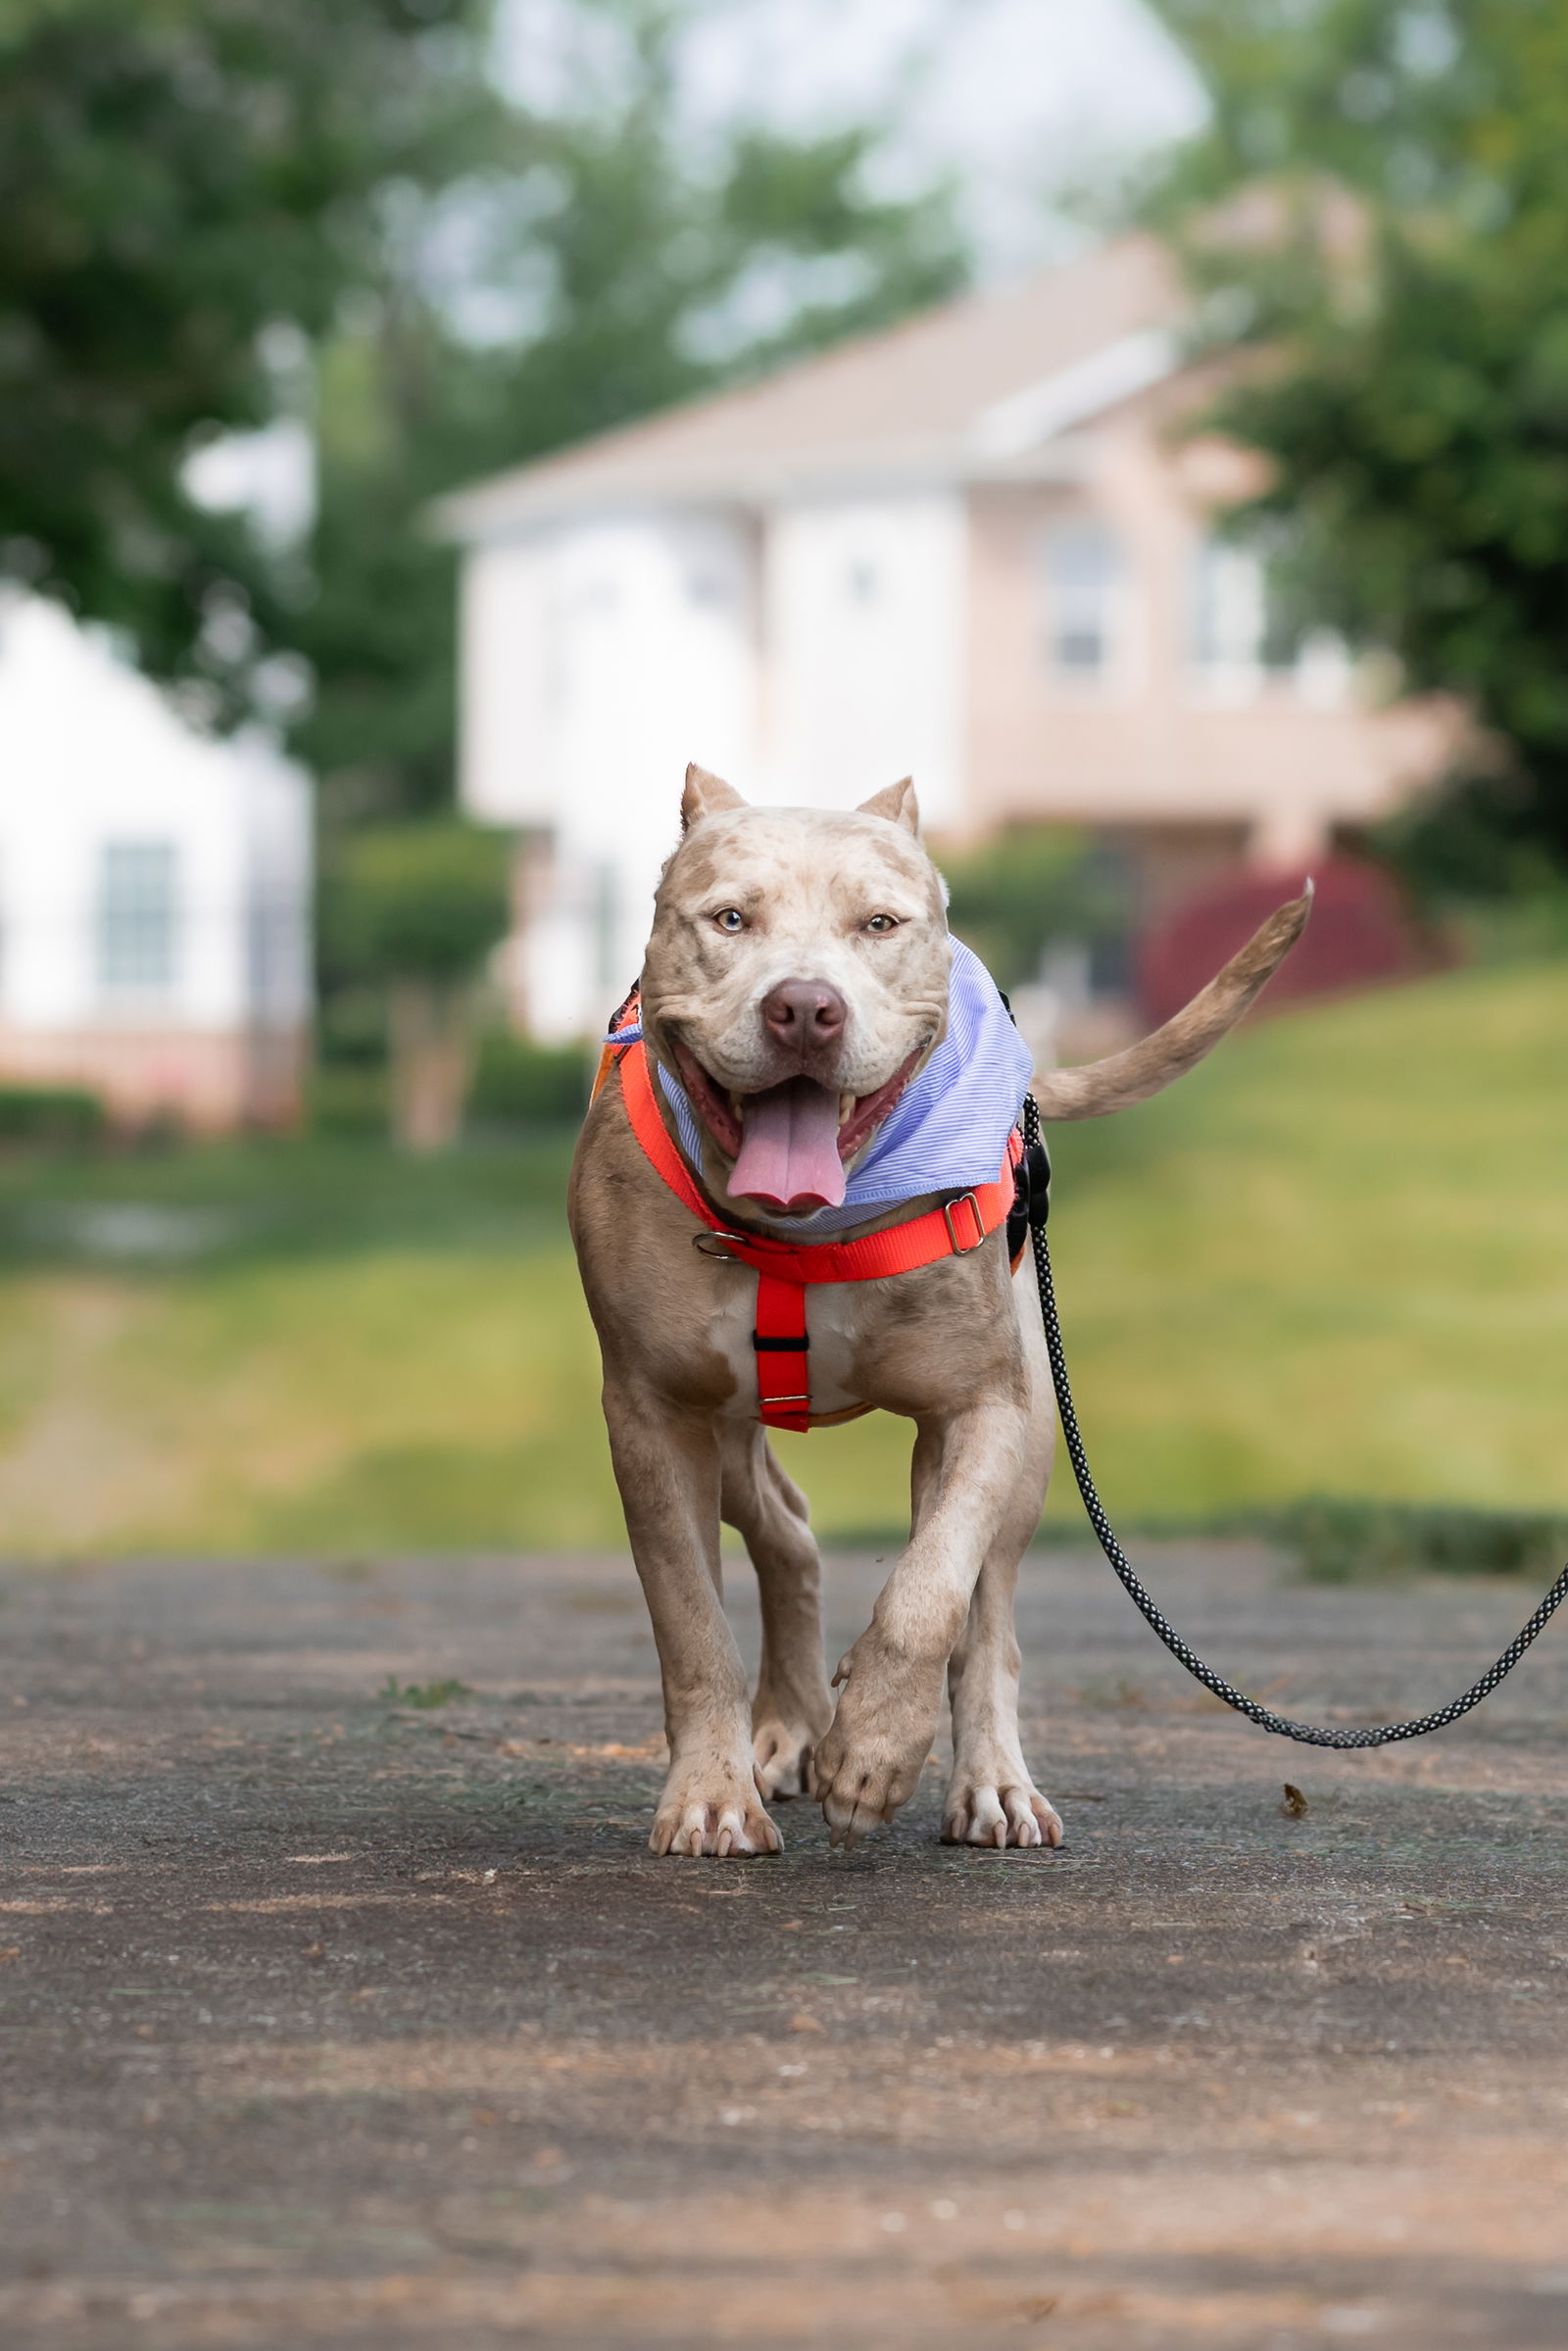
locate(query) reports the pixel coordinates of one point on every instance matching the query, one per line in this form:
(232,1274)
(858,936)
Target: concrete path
(332,2018)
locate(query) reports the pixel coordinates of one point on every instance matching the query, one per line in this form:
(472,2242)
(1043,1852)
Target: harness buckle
(963,1248)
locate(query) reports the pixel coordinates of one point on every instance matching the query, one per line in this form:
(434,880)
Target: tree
(416,910)
(178,179)
(1414,408)
(220,209)
(1032,887)
(604,269)
(192,187)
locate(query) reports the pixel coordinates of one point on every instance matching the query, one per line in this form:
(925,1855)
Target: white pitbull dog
(796,984)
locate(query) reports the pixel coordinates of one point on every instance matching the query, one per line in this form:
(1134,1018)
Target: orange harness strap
(785,1269)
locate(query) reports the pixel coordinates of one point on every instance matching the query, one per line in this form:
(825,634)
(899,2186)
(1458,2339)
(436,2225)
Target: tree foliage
(1414,412)
(606,269)
(192,187)
(1032,887)
(418,900)
(177,178)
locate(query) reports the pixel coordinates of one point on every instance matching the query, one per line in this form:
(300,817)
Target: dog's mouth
(790,1142)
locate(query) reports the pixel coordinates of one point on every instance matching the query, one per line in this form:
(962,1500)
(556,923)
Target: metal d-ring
(712,1245)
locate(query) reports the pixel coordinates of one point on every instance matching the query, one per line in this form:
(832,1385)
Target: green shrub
(1034,883)
(1530,928)
(1341,1541)
(520,1083)
(351,1028)
(346,1101)
(57,1118)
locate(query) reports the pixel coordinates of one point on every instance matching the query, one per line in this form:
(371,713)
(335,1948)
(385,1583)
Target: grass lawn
(1335,1259)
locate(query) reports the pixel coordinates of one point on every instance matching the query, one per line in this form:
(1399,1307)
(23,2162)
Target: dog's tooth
(845,1107)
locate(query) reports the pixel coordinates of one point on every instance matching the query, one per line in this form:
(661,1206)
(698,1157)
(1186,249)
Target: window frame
(1066,602)
(138,919)
(1225,664)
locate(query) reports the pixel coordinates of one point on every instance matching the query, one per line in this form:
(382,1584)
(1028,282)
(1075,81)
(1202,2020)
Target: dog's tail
(1145,1068)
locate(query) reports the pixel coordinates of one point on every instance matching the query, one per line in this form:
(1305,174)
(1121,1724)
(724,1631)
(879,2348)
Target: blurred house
(973,548)
(154,892)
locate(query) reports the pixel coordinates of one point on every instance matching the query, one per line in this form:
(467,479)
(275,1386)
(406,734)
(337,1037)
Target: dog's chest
(837,1319)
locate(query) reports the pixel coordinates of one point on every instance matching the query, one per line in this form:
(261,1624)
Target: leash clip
(963,1248)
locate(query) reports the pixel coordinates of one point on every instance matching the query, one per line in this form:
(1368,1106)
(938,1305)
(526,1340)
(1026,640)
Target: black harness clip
(1031,1198)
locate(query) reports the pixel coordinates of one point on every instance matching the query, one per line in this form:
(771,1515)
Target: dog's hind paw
(716,1815)
(1011,1813)
(782,1754)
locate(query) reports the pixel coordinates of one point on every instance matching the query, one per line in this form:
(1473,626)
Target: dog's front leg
(870,1760)
(991,1798)
(667,1467)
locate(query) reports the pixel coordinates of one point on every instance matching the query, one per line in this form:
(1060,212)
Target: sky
(1020,99)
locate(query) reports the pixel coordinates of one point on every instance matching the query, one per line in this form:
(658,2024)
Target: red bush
(1362,931)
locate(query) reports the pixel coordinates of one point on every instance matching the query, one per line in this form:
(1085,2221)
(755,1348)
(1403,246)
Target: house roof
(976,389)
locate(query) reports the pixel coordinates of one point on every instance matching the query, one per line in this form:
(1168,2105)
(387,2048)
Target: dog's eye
(731,919)
(880,924)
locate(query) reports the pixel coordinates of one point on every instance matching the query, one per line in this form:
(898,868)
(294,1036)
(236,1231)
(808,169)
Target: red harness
(785,1269)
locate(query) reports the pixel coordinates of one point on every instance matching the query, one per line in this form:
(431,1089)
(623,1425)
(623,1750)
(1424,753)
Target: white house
(155,892)
(976,548)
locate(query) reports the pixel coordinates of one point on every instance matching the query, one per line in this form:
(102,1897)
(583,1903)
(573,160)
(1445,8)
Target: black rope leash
(1313,1735)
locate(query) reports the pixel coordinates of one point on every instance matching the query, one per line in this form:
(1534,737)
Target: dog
(799,982)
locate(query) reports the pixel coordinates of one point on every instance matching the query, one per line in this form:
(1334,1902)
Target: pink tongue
(789,1156)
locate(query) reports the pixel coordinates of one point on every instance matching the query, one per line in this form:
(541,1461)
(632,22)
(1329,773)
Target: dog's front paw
(999,1808)
(870,1760)
(712,1809)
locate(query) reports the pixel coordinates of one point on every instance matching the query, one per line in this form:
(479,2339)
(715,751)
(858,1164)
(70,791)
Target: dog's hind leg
(991,1798)
(793,1706)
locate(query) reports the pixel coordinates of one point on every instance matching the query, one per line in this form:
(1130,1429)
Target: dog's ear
(705,796)
(897,804)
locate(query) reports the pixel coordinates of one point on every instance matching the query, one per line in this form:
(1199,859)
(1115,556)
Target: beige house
(974,548)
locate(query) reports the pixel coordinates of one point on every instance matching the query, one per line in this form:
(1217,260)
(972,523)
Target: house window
(272,958)
(1238,632)
(1084,570)
(138,917)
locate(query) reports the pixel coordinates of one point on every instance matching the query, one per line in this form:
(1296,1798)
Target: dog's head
(795,980)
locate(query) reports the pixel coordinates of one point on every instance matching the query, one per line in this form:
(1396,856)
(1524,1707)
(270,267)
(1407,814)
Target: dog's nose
(806,1015)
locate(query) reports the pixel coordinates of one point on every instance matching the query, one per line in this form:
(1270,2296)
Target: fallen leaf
(1296,1806)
